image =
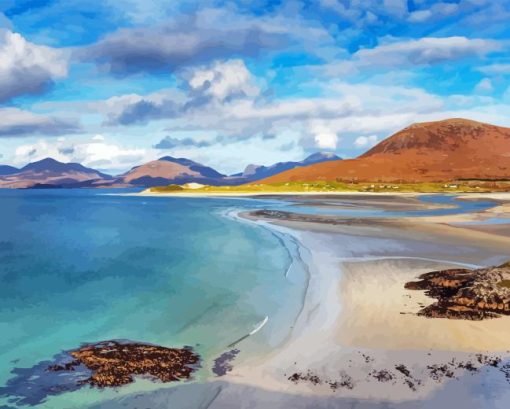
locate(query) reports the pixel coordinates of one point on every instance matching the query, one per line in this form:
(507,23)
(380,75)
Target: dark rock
(115,363)
(465,294)
(223,363)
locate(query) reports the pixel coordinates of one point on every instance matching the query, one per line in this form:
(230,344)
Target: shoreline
(334,322)
(357,340)
(462,195)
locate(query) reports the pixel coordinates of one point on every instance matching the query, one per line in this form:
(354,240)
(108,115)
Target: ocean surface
(82,266)
(79,266)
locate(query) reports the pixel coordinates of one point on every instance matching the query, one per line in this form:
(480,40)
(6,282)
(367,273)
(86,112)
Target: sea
(87,265)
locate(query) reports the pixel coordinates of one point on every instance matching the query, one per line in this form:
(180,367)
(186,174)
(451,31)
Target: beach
(322,318)
(358,341)
(359,321)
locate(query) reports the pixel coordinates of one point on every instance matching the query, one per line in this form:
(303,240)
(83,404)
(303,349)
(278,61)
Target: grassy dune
(329,186)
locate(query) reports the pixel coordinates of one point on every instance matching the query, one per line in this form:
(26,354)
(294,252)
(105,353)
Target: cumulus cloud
(94,152)
(317,121)
(323,136)
(223,80)
(169,142)
(206,90)
(435,12)
(27,68)
(368,11)
(495,69)
(207,35)
(17,123)
(484,86)
(218,83)
(365,141)
(143,111)
(425,51)
(134,109)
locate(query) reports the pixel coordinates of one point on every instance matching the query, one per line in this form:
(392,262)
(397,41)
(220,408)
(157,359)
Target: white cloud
(363,141)
(425,51)
(435,12)
(323,136)
(17,123)
(27,68)
(495,69)
(200,37)
(403,54)
(93,153)
(485,85)
(223,79)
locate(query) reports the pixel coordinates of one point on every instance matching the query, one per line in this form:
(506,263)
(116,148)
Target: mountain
(438,151)
(169,170)
(7,170)
(256,172)
(51,173)
(163,171)
(318,157)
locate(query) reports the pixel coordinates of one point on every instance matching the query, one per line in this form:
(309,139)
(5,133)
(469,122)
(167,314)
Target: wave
(260,325)
(256,329)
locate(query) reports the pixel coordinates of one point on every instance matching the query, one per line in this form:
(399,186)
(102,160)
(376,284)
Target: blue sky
(116,83)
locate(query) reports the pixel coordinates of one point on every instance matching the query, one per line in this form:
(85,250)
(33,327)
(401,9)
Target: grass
(335,186)
(504,283)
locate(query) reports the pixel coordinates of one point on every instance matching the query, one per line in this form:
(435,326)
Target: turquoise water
(84,266)
(80,266)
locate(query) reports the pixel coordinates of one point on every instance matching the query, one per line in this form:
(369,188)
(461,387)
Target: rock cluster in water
(466,294)
(115,363)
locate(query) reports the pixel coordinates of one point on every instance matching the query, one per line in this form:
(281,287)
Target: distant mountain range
(256,172)
(51,173)
(48,173)
(453,149)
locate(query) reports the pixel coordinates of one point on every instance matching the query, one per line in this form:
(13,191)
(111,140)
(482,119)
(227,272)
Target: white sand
(354,309)
(374,296)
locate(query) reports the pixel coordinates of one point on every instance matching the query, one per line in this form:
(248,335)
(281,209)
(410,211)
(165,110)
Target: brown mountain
(167,170)
(439,151)
(170,170)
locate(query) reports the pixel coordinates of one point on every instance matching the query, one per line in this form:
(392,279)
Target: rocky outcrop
(466,294)
(115,363)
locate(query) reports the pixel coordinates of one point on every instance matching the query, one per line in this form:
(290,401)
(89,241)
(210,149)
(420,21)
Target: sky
(116,83)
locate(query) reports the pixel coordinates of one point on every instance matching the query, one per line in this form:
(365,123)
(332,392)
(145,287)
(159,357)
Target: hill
(448,150)
(51,173)
(256,172)
(168,170)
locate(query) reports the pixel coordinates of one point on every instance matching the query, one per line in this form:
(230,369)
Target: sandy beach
(358,341)
(359,319)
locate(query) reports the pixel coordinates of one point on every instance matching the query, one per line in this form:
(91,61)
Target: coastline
(194,193)
(347,316)
(358,323)
(269,193)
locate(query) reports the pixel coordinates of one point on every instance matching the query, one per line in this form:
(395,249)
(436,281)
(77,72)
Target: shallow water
(453,205)
(80,266)
(84,266)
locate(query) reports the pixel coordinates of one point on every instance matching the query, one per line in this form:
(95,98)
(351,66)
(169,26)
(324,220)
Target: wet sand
(359,325)
(357,306)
